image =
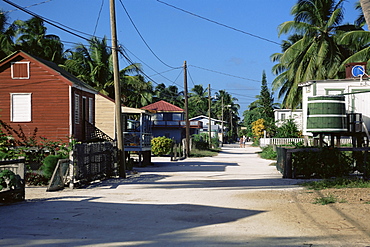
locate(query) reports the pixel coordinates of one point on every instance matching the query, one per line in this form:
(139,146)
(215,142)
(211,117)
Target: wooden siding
(104,115)
(50,97)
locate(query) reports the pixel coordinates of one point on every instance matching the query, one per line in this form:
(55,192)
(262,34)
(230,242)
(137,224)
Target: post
(222,121)
(117,93)
(209,116)
(187,134)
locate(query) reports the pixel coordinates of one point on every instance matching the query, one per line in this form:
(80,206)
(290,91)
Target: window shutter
(21,107)
(20,70)
(77,109)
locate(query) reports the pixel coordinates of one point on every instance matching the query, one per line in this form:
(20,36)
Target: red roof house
(35,93)
(169,120)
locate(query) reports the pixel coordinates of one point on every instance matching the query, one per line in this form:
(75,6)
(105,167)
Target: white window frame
(77,109)
(28,70)
(20,107)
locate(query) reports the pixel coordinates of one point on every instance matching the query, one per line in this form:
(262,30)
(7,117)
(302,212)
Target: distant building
(169,121)
(216,126)
(283,114)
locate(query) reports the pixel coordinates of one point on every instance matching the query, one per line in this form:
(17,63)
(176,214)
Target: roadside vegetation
(337,183)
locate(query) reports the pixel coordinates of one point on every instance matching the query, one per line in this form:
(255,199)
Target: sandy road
(233,199)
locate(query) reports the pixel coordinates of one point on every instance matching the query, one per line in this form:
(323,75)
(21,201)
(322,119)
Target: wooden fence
(285,163)
(94,160)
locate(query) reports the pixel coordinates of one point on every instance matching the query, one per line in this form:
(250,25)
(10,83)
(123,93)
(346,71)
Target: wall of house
(49,101)
(104,115)
(176,134)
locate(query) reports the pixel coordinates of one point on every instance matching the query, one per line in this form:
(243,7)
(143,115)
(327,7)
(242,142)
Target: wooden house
(35,93)
(169,121)
(136,127)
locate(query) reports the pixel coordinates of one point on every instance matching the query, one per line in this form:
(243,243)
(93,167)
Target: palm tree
(224,105)
(32,38)
(198,101)
(7,34)
(317,54)
(170,94)
(92,64)
(365,5)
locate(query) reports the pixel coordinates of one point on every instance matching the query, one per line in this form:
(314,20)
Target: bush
(34,178)
(9,180)
(49,163)
(328,162)
(161,145)
(201,141)
(268,153)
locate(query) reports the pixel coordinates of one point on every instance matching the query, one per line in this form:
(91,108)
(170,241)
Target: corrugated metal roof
(163,106)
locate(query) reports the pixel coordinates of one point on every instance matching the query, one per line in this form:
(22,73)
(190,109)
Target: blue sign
(358,70)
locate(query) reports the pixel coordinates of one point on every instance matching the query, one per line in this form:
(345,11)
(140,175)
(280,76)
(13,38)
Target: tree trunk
(365,5)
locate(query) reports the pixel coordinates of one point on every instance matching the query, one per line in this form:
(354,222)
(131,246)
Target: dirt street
(233,199)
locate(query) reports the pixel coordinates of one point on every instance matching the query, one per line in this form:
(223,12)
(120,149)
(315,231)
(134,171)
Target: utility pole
(187,133)
(222,121)
(209,116)
(117,94)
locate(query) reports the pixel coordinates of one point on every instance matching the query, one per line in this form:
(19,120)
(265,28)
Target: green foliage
(36,179)
(49,163)
(201,141)
(9,180)
(15,143)
(328,162)
(326,200)
(204,153)
(337,183)
(268,153)
(288,130)
(161,145)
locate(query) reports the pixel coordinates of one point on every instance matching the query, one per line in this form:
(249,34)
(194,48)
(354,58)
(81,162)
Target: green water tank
(326,114)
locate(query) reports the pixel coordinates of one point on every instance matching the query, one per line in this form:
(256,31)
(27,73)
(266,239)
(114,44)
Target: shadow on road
(67,222)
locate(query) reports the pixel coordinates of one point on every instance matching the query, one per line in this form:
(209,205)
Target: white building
(356,93)
(284,114)
(216,125)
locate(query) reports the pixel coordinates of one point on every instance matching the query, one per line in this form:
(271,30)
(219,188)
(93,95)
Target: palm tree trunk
(365,5)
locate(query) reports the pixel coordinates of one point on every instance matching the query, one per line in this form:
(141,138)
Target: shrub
(9,180)
(161,145)
(268,153)
(49,164)
(34,178)
(328,162)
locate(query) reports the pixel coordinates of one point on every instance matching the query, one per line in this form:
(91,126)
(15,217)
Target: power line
(142,38)
(9,11)
(49,21)
(220,24)
(97,20)
(222,73)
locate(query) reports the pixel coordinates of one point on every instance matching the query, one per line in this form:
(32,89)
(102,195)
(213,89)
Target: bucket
(326,114)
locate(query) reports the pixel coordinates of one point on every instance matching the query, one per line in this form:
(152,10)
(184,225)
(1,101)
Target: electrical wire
(9,11)
(220,24)
(142,38)
(222,73)
(97,20)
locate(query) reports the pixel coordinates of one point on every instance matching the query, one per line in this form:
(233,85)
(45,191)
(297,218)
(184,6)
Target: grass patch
(268,153)
(326,200)
(337,183)
(204,153)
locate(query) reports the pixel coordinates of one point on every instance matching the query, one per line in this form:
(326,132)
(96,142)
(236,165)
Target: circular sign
(358,70)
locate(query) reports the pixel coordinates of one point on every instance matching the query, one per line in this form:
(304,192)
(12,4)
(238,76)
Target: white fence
(287,141)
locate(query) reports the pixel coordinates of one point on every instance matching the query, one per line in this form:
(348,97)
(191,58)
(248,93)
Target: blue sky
(224,58)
